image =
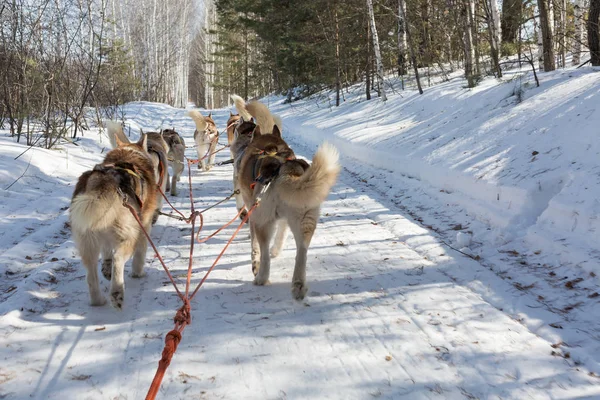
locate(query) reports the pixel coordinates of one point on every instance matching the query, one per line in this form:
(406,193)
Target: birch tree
(469,51)
(401,38)
(578,34)
(378,62)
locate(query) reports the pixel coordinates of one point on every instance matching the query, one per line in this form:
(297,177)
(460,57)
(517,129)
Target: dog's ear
(276,131)
(143,142)
(230,114)
(118,141)
(210,114)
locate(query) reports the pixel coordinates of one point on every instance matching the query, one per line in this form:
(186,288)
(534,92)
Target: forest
(66,62)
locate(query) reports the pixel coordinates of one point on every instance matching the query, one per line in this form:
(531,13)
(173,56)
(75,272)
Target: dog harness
(128,170)
(257,173)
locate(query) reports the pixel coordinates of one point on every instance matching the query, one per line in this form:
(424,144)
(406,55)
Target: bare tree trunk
(547,37)
(578,35)
(380,82)
(411,49)
(468,41)
(540,44)
(594,32)
(368,66)
(491,11)
(337,55)
(401,39)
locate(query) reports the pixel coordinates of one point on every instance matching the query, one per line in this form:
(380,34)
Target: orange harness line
(183,317)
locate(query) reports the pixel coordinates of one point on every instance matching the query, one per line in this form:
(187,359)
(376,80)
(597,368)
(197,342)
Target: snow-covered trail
(390,313)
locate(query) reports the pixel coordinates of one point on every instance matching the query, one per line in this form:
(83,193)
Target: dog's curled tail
(199,120)
(240,106)
(310,189)
(97,208)
(262,116)
(115,133)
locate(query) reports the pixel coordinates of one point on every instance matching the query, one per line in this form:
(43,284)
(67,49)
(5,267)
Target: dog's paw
(97,302)
(243,215)
(155,218)
(116,297)
(107,269)
(260,281)
(138,275)
(174,193)
(274,252)
(255,267)
(299,290)
(167,189)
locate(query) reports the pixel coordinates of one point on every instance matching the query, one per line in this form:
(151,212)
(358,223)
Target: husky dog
(205,136)
(231,124)
(102,225)
(242,132)
(176,157)
(290,191)
(157,149)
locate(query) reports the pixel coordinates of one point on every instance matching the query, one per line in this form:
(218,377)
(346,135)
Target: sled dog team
(291,192)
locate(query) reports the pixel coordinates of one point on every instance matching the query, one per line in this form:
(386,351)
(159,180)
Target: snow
(393,310)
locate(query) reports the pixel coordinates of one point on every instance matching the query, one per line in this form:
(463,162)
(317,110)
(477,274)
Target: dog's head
(271,144)
(141,144)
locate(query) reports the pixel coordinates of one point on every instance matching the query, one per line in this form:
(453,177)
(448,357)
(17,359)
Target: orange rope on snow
(183,317)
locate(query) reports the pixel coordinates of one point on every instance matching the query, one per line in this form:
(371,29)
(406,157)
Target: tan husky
(205,136)
(290,191)
(101,224)
(176,157)
(231,124)
(157,149)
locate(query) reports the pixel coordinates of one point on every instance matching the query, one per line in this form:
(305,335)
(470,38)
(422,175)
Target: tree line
(255,47)
(65,62)
(63,58)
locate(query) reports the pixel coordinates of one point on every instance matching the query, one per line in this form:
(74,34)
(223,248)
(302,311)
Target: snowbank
(521,159)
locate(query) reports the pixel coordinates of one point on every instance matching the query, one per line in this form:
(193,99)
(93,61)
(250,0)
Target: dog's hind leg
(303,230)
(255,251)
(280,236)
(263,236)
(107,260)
(174,185)
(90,250)
(123,253)
(211,158)
(139,257)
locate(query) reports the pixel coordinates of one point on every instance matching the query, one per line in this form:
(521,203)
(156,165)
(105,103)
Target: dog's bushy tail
(97,207)
(199,120)
(240,106)
(311,188)
(114,129)
(262,116)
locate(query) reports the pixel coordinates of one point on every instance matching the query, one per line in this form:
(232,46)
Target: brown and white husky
(290,191)
(102,225)
(206,137)
(176,157)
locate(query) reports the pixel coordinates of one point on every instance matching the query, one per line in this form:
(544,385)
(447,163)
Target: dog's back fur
(100,223)
(176,156)
(157,150)
(206,136)
(289,189)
